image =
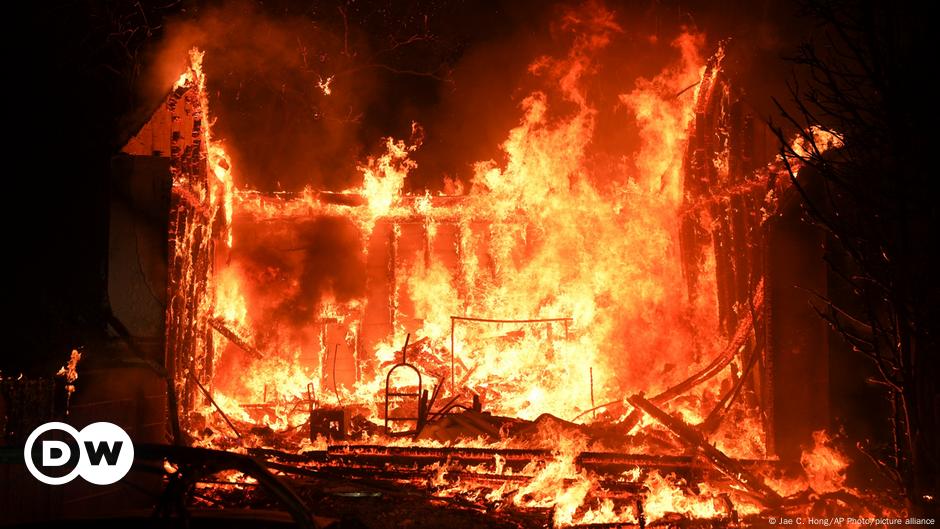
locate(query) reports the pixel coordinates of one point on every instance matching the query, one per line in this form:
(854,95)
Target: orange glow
(545,232)
(824,465)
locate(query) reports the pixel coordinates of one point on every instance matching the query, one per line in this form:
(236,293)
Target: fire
(547,233)
(664,122)
(816,140)
(666,497)
(222,188)
(384,177)
(562,238)
(554,283)
(69,372)
(824,465)
(324,85)
(229,301)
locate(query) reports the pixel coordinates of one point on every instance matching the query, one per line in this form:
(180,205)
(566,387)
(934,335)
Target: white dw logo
(102,453)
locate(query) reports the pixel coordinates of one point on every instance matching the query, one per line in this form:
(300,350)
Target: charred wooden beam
(609,488)
(214,404)
(713,420)
(383,456)
(727,466)
(671,521)
(231,336)
(377,459)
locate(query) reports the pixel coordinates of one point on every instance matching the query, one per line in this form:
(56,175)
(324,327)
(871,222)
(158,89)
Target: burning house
(559,339)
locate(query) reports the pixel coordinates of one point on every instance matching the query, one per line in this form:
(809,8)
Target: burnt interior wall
(396,250)
(341,348)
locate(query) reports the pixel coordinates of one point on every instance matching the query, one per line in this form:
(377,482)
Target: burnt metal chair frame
(420,395)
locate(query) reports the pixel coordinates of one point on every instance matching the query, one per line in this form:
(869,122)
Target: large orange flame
(547,233)
(566,283)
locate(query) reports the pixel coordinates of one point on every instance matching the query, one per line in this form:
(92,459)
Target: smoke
(285,90)
(303,93)
(293,267)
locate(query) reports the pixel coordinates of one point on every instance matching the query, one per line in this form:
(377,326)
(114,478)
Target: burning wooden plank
(233,337)
(727,466)
(379,459)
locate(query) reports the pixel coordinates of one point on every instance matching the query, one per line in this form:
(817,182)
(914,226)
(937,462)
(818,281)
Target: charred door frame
(195,223)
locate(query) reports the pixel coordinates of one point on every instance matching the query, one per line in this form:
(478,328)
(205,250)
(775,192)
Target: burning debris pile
(537,303)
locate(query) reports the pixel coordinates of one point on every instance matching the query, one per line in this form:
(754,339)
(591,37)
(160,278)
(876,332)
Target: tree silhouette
(862,81)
